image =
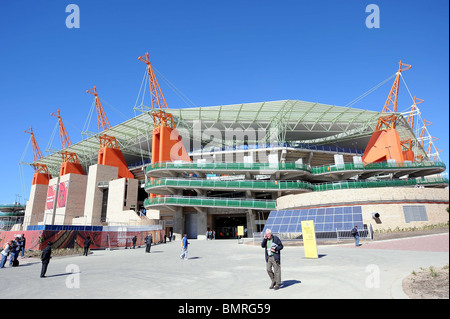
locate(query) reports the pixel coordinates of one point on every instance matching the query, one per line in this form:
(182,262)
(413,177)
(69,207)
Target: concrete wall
(34,211)
(51,200)
(75,199)
(94,195)
(122,197)
(387,201)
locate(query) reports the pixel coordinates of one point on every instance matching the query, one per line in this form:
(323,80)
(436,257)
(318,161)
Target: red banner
(62,194)
(38,239)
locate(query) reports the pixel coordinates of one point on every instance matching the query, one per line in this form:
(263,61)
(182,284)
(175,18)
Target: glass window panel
(275,228)
(329,211)
(321,211)
(295,220)
(291,228)
(312,213)
(349,226)
(288,213)
(319,227)
(270,220)
(320,219)
(299,228)
(302,212)
(359,224)
(327,227)
(348,218)
(296,212)
(357,217)
(280,213)
(338,218)
(357,210)
(339,226)
(328,219)
(338,210)
(348,210)
(273,213)
(283,229)
(277,221)
(285,220)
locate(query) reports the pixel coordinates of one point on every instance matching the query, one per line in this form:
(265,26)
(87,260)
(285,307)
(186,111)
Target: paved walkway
(225,269)
(429,243)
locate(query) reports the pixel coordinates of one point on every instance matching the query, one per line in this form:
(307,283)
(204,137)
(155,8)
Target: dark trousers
(148,247)
(86,251)
(274,275)
(44,269)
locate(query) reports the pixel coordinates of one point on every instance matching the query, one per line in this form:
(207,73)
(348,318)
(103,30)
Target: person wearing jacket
(45,258)
(148,243)
(15,249)
(184,248)
(5,252)
(272,246)
(355,234)
(87,244)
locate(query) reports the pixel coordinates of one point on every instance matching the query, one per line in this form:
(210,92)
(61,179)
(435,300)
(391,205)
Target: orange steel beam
(41,174)
(422,133)
(393,94)
(103,123)
(109,153)
(65,140)
(166,141)
(37,155)
(386,123)
(158,100)
(102,120)
(410,119)
(160,118)
(406,144)
(437,154)
(430,143)
(70,160)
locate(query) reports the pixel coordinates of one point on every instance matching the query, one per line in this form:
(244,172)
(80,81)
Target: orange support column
(385,142)
(170,146)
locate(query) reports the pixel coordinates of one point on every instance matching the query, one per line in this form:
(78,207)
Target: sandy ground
(427,284)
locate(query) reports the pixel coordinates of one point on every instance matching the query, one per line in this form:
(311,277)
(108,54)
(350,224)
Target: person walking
(5,252)
(355,233)
(272,246)
(148,243)
(184,248)
(87,243)
(15,249)
(45,258)
(22,245)
(134,241)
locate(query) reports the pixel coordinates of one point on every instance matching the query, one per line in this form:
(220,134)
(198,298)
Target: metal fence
(338,235)
(7,222)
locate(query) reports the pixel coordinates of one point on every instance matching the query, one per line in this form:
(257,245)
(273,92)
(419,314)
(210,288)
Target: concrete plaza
(222,269)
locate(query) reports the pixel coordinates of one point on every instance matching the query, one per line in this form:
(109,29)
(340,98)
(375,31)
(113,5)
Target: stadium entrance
(226,226)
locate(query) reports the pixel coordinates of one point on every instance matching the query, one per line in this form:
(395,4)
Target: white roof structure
(286,121)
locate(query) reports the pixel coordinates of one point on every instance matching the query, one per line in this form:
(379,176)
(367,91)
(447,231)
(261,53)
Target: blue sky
(216,53)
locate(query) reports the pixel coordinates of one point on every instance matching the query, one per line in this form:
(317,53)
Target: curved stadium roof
(290,121)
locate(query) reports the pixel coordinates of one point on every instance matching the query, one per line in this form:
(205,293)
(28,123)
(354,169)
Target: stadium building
(256,165)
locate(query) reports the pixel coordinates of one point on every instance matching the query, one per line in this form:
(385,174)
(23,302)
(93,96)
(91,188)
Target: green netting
(289,166)
(244,184)
(211,202)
